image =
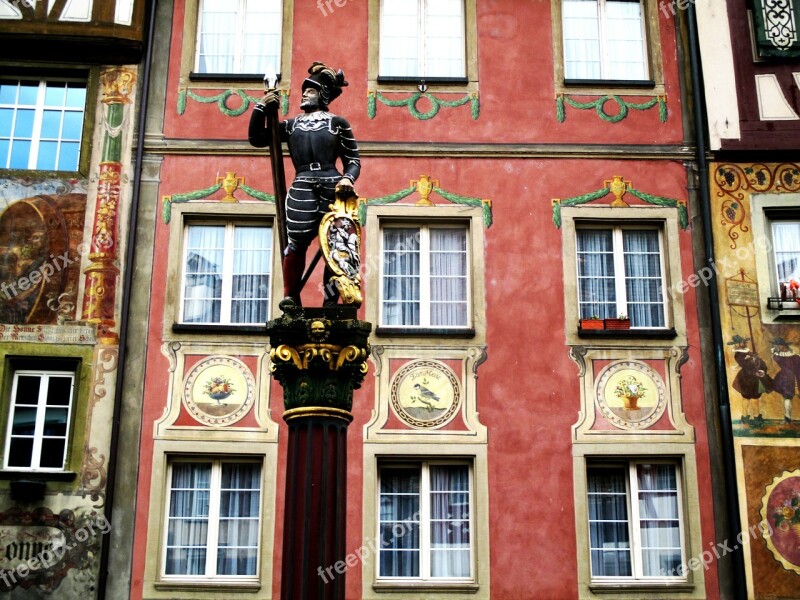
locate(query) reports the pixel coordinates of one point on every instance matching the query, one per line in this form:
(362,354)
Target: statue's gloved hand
(345,187)
(270,97)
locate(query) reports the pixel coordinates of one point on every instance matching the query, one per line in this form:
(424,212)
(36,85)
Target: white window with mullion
(422,38)
(226,273)
(41,124)
(425,522)
(239,36)
(425,278)
(213,520)
(621,272)
(786,248)
(635,521)
(604,39)
(39,419)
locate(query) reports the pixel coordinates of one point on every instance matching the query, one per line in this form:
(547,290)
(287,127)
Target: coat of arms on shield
(340,241)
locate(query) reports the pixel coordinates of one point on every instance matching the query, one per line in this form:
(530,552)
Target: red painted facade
(520,156)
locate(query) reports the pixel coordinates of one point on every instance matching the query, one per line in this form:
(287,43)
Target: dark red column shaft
(315,507)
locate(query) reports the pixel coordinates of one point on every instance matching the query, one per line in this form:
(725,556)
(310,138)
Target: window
(424,277)
(604,39)
(226,273)
(239,36)
(786,249)
(422,38)
(635,529)
(39,419)
(41,122)
(620,271)
(425,521)
(213,519)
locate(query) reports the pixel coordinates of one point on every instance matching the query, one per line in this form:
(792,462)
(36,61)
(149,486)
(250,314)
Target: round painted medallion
(219,390)
(780,507)
(630,395)
(425,394)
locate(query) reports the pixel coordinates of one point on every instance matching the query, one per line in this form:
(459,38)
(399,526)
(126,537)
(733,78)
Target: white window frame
(774,218)
(41,407)
(238,56)
(425,521)
(603,42)
(213,521)
(39,109)
(226,302)
(424,274)
(634,528)
(422,37)
(619,266)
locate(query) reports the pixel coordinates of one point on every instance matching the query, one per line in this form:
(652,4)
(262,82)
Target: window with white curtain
(621,272)
(213,519)
(41,124)
(425,277)
(239,36)
(635,521)
(422,38)
(39,420)
(786,252)
(226,273)
(424,521)
(604,39)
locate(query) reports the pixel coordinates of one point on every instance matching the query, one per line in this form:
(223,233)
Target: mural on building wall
(41,228)
(762,356)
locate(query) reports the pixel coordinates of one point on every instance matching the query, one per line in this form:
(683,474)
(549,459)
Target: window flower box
(591,324)
(617,324)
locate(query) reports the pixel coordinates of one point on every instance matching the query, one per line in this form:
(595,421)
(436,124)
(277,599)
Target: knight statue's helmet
(326,80)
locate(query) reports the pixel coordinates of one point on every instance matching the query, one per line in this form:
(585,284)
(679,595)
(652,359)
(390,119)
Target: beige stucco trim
(655,65)
(154,586)
(477,455)
(692,538)
(223,211)
(763,249)
(373,54)
(189,46)
(668,219)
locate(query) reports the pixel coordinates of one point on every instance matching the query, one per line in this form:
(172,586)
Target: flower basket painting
(219,390)
(780,507)
(630,390)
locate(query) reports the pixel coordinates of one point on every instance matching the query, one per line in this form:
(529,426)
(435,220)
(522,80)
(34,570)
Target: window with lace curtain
(635,521)
(213,520)
(226,273)
(605,40)
(424,277)
(425,521)
(786,253)
(238,36)
(422,39)
(621,272)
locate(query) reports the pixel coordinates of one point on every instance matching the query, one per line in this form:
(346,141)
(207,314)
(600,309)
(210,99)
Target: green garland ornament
(599,106)
(411,103)
(222,101)
(450,196)
(168,201)
(683,217)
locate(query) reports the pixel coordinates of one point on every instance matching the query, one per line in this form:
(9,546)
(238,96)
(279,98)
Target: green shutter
(776,25)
